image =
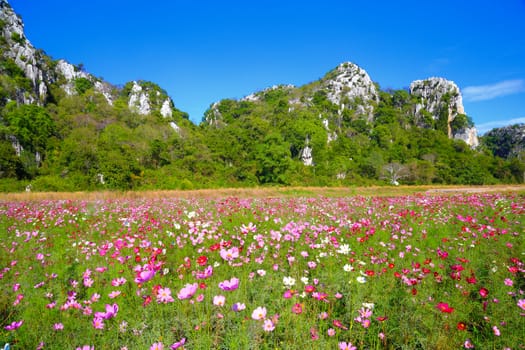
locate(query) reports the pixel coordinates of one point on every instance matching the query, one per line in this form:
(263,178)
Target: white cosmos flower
(348,268)
(288,281)
(344,249)
(361,279)
(368,305)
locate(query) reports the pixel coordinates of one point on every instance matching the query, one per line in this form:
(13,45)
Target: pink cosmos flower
(331,332)
(229,285)
(187,291)
(14,325)
(259,313)
(86,347)
(219,300)
(164,296)
(346,346)
(496,331)
(297,308)
(118,281)
(88,282)
(114,294)
(157,346)
(98,323)
(468,344)
(229,254)
(508,282)
(207,273)
(268,326)
(58,326)
(521,304)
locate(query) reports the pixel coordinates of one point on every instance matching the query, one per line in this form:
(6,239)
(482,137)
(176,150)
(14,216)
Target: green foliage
(17,38)
(82,85)
(460,122)
(273,160)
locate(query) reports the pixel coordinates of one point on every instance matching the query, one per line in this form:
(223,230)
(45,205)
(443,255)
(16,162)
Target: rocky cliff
(440,100)
(38,73)
(506,142)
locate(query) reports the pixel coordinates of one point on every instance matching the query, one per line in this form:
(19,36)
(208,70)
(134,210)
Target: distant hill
(62,128)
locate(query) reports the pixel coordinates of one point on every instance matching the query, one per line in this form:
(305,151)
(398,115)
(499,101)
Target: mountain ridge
(62,127)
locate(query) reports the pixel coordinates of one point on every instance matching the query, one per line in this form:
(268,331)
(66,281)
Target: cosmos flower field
(405,272)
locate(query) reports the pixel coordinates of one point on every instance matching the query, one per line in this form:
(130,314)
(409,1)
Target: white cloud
(488,92)
(484,127)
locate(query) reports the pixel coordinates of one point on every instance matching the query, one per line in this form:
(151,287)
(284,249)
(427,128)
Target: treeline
(81,142)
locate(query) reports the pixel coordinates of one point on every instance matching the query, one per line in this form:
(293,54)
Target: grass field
(278,268)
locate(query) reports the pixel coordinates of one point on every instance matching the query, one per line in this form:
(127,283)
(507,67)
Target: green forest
(81,142)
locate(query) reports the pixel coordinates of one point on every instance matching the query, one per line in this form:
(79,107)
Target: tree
(273,160)
(394,172)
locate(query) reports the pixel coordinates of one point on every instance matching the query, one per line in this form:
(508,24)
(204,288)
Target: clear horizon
(201,52)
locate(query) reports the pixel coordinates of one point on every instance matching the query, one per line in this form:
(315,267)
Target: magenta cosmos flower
(178,344)
(14,325)
(229,285)
(111,311)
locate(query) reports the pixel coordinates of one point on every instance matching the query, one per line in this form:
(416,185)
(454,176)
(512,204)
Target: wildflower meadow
(406,272)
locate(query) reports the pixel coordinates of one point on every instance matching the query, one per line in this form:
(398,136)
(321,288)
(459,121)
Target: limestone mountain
(346,102)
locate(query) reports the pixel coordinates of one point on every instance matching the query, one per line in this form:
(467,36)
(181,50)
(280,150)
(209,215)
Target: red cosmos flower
(155,289)
(202,285)
(461,326)
(215,247)
(445,308)
(484,292)
(202,260)
(471,279)
(370,272)
(309,289)
(382,318)
(147,300)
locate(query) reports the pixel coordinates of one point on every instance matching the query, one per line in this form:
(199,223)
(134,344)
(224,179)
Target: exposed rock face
(506,142)
(146,97)
(138,100)
(71,73)
(349,86)
(259,96)
(23,54)
(469,135)
(438,96)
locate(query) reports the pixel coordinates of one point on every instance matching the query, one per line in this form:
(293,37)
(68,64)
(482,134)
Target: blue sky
(203,51)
